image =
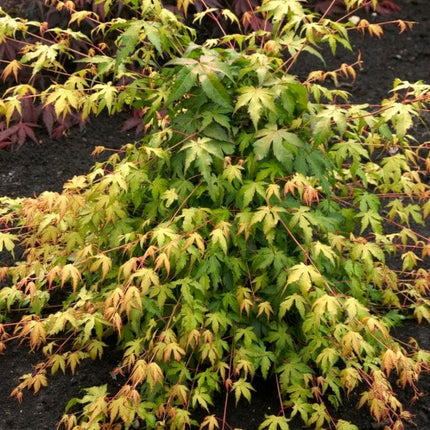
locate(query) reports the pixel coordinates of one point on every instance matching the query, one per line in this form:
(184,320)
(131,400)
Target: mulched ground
(46,166)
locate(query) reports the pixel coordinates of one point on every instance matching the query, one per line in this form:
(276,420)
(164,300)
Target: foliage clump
(249,232)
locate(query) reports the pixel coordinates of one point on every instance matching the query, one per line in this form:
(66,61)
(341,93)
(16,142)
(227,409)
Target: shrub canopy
(256,228)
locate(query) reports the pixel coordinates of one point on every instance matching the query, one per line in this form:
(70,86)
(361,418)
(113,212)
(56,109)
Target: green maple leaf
(215,90)
(249,190)
(345,425)
(242,388)
(373,218)
(256,99)
(273,422)
(295,299)
(7,241)
(185,80)
(284,144)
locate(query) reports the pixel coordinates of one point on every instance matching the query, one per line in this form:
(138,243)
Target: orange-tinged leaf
(389,361)
(74,359)
(196,238)
(265,308)
(155,373)
(69,421)
(70,272)
(352,342)
(373,324)
(117,322)
(246,305)
(378,409)
(210,422)
(180,392)
(101,261)
(131,300)
(140,370)
(173,349)
(115,298)
(375,30)
(39,380)
(35,330)
(310,195)
(163,260)
(12,68)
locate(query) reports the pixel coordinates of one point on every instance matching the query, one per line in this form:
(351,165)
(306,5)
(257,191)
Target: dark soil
(46,166)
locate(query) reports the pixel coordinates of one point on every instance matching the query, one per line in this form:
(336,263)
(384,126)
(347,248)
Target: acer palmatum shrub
(246,233)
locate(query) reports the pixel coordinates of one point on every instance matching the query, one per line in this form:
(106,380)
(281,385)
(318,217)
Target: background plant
(59,34)
(246,233)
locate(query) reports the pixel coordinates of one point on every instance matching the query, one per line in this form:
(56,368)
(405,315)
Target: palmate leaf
(201,397)
(321,129)
(273,422)
(185,80)
(7,241)
(242,388)
(345,425)
(206,68)
(372,218)
(43,56)
(315,163)
(233,172)
(294,299)
(200,153)
(319,249)
(64,100)
(256,99)
(153,33)
(319,416)
(304,275)
(219,237)
(249,189)
(276,139)
(215,90)
(280,8)
(401,116)
(294,371)
(210,422)
(367,252)
(368,201)
(307,221)
(128,42)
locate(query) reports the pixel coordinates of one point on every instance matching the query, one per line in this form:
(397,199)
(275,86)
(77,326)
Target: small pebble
(354,19)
